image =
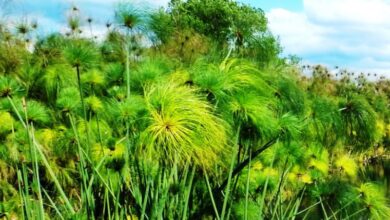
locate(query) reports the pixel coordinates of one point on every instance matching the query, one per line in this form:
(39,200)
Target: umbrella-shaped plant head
(182,127)
(148,72)
(48,50)
(94,80)
(94,105)
(9,87)
(28,76)
(359,121)
(130,113)
(32,111)
(238,92)
(253,116)
(132,20)
(291,97)
(374,201)
(129,17)
(55,77)
(74,20)
(81,54)
(223,82)
(23,28)
(7,122)
(74,23)
(68,100)
(326,121)
(112,48)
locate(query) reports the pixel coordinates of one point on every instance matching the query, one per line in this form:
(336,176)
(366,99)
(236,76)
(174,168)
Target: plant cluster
(189,126)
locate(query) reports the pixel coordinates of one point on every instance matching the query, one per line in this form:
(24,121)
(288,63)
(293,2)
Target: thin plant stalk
(211,196)
(227,192)
(33,155)
(188,193)
(53,204)
(145,200)
(46,163)
(247,186)
(127,70)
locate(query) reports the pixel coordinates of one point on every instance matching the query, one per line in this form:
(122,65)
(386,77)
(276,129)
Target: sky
(352,34)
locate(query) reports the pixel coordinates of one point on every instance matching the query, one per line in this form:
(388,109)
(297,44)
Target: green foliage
(94,104)
(291,97)
(184,113)
(162,26)
(68,100)
(253,115)
(56,77)
(48,50)
(223,21)
(220,19)
(7,122)
(347,165)
(262,48)
(182,127)
(81,53)
(32,111)
(359,121)
(149,72)
(375,201)
(9,87)
(94,78)
(131,113)
(129,17)
(327,121)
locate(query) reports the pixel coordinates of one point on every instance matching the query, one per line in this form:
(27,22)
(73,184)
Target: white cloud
(358,31)
(295,30)
(372,12)
(349,33)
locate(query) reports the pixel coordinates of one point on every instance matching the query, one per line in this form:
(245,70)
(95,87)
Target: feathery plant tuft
(374,201)
(359,121)
(182,126)
(10,87)
(35,112)
(81,54)
(130,17)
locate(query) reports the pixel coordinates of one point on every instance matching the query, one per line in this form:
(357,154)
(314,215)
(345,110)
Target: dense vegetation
(187,112)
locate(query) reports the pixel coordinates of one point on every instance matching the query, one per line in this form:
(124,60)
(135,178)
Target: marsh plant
(186,126)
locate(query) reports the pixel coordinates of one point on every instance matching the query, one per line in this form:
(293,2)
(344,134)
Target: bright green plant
(216,126)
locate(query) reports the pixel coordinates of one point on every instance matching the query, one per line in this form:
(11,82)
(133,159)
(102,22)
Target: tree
(223,20)
(132,20)
(226,22)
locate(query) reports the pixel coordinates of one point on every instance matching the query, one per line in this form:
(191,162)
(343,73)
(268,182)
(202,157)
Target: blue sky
(353,34)
(267,5)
